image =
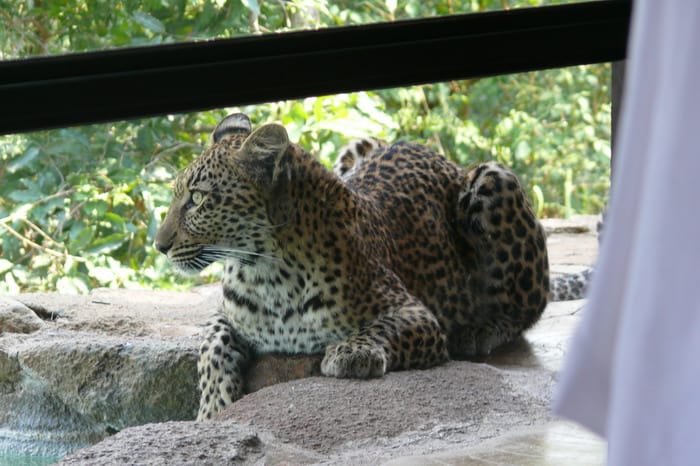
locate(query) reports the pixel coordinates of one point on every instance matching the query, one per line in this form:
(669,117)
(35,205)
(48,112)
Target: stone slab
(296,418)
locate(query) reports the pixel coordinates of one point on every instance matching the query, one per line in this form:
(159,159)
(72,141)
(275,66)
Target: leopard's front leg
(223,358)
(408,338)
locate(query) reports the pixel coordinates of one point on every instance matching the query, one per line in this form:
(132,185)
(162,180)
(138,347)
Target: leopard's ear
(233,125)
(262,153)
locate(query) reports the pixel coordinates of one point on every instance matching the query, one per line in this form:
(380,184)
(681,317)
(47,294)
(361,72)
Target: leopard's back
(415,192)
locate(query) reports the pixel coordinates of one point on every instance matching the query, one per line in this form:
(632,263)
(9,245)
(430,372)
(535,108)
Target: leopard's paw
(346,360)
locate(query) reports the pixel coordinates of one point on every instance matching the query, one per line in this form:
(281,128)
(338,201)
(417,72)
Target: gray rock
(63,389)
(320,420)
(106,361)
(15,317)
(576,224)
(36,423)
(179,443)
(9,369)
(365,421)
(341,421)
(113,380)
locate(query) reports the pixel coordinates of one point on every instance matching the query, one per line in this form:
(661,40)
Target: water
(23,460)
(19,448)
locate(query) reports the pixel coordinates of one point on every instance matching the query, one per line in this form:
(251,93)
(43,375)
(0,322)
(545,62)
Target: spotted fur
(562,287)
(570,286)
(351,155)
(404,261)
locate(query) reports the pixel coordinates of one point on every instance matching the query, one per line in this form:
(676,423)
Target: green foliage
(79,207)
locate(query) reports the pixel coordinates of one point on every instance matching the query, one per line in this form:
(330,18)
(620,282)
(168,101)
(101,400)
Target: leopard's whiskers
(221,252)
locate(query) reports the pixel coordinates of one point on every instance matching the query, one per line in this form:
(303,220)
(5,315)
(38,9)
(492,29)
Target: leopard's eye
(197,197)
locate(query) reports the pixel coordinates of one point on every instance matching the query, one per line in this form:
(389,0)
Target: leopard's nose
(164,248)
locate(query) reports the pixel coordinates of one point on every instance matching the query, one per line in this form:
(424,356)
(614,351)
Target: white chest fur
(279,309)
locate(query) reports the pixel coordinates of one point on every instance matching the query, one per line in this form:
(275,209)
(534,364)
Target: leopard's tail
(353,153)
(570,286)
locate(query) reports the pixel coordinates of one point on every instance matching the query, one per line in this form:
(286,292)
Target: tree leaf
(82,239)
(115,219)
(23,160)
(107,244)
(71,285)
(5,265)
(149,22)
(523,149)
(26,195)
(252,5)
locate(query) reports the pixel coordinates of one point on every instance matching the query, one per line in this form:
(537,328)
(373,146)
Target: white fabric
(633,370)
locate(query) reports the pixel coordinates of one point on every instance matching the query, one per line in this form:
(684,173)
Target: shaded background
(79,207)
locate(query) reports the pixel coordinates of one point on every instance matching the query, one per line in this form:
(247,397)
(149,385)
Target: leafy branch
(21,215)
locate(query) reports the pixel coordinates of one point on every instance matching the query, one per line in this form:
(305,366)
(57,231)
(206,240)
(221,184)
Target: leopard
(399,259)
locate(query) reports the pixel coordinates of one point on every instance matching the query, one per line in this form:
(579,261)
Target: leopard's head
(221,202)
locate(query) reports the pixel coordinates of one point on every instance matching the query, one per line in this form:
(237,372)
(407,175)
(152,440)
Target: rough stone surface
(85,372)
(175,443)
(572,243)
(97,364)
(326,415)
(344,422)
(115,381)
(10,369)
(105,361)
(128,313)
(577,224)
(16,317)
(81,387)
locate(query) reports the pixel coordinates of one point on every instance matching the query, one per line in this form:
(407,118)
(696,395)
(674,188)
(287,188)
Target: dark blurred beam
(616,95)
(121,84)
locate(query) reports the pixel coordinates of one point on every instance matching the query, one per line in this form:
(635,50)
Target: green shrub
(79,207)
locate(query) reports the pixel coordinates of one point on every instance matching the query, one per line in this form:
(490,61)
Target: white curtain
(633,371)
